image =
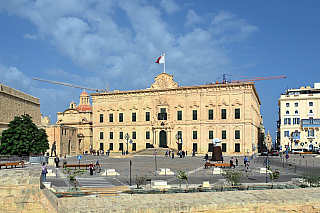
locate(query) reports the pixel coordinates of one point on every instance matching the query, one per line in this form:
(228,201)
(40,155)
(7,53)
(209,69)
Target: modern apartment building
(298,125)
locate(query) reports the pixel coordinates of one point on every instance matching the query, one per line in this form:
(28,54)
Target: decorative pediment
(164,80)
(134,107)
(101,110)
(147,107)
(121,108)
(237,103)
(210,104)
(194,104)
(162,101)
(84,120)
(179,105)
(223,103)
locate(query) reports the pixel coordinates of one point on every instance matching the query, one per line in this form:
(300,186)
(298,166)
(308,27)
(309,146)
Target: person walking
(57,161)
(64,161)
(222,158)
(44,172)
(237,162)
(232,163)
(98,166)
(245,161)
(91,168)
(172,154)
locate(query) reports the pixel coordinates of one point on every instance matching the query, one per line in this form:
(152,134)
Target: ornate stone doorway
(163,139)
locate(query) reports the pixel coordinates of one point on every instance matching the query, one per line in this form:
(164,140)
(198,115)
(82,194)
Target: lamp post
(127,137)
(291,139)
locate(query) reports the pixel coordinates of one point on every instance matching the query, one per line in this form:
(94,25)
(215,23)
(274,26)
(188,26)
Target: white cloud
(192,19)
(169,6)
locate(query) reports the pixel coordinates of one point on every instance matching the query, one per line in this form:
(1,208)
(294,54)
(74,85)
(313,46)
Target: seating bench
(77,166)
(208,164)
(222,164)
(15,164)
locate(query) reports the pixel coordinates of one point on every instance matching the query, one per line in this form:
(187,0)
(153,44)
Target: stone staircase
(150,151)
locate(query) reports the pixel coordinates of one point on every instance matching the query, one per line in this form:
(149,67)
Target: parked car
(274,152)
(264,152)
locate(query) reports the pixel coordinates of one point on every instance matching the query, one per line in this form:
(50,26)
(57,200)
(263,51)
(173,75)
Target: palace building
(186,118)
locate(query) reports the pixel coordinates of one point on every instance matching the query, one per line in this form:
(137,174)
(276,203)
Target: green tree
(182,176)
(234,177)
(72,174)
(23,137)
(273,174)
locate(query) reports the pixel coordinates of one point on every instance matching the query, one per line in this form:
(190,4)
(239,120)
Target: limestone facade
(15,103)
(80,118)
(187,118)
(298,125)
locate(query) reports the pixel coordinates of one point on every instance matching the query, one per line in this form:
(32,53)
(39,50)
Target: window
(194,115)
(287,121)
(210,114)
(223,114)
(147,135)
(134,147)
(296,121)
(101,135)
(61,131)
(120,146)
(224,147)
(163,114)
(237,134)
(296,104)
(287,104)
(194,135)
(101,118)
(310,111)
(179,115)
(121,135)
(179,134)
(237,114)
(210,134)
(286,133)
(296,112)
(224,134)
(287,112)
(147,116)
(134,135)
(110,146)
(296,143)
(237,147)
(101,146)
(120,117)
(310,133)
(195,147)
(111,117)
(310,104)
(134,117)
(111,135)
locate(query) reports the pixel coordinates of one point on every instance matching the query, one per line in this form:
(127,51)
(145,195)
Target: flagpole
(164,64)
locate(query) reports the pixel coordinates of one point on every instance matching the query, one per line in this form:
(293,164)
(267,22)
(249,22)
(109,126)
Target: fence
(13,158)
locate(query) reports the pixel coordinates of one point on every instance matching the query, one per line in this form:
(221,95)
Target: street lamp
(127,137)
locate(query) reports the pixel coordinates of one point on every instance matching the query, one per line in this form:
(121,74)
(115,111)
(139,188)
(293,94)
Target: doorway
(163,138)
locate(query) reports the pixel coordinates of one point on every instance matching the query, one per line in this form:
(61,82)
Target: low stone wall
(20,192)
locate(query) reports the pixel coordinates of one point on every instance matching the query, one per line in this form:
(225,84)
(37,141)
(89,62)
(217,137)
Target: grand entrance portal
(163,139)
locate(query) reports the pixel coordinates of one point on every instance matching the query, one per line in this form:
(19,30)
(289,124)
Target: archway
(163,139)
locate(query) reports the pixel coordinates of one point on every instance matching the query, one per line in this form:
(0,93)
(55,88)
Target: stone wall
(20,192)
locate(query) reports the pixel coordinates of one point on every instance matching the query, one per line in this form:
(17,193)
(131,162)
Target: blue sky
(115,43)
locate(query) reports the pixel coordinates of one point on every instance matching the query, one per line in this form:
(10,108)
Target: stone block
(158,183)
(47,184)
(110,172)
(216,171)
(165,171)
(264,170)
(205,184)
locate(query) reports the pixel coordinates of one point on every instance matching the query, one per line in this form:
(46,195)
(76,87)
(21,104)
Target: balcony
(162,116)
(296,135)
(310,123)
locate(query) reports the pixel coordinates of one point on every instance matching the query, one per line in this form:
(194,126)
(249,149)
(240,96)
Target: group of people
(97,152)
(57,161)
(96,166)
(181,153)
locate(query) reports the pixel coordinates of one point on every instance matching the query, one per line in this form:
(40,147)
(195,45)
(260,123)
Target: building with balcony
(187,118)
(298,125)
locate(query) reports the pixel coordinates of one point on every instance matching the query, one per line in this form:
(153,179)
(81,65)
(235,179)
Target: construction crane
(70,85)
(225,81)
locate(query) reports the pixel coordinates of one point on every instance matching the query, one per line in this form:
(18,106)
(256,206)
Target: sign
(79,157)
(302,144)
(287,156)
(155,152)
(287,152)
(266,162)
(131,141)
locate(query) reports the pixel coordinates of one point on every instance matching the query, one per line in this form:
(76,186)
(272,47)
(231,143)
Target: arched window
(296,112)
(287,112)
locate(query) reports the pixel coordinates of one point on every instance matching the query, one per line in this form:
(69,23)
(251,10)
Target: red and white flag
(161,59)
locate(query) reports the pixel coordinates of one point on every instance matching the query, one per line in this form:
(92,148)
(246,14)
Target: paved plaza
(194,166)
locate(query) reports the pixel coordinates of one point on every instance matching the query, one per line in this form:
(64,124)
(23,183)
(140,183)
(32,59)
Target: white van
(297,151)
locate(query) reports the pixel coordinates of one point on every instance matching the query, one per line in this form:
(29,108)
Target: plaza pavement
(194,166)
